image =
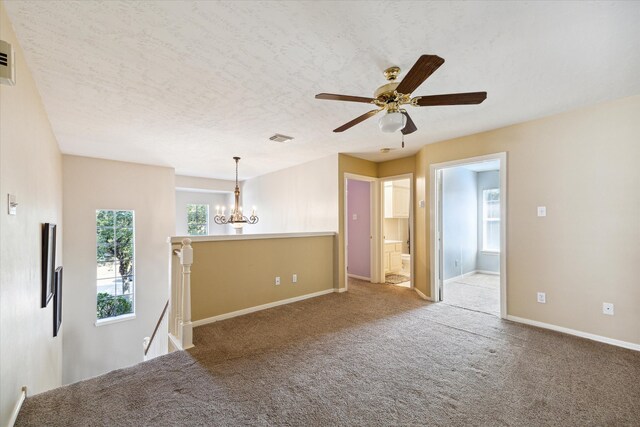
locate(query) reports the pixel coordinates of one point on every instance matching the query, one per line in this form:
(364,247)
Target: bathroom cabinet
(396,199)
(392,256)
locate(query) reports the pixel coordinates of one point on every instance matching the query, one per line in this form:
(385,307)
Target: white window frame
(205,224)
(485,220)
(127,316)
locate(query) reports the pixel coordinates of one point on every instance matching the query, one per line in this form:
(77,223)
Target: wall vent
(7,67)
(280,138)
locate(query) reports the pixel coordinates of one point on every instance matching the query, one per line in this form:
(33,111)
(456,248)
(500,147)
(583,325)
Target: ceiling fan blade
(421,70)
(410,127)
(452,99)
(357,120)
(334,97)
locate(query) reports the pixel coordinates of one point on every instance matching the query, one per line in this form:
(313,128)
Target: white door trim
(374,216)
(435,203)
(412,227)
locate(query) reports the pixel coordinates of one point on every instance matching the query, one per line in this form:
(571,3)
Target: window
(491,220)
(115,263)
(198,220)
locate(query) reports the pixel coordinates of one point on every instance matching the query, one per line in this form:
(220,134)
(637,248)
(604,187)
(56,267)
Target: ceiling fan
(392,96)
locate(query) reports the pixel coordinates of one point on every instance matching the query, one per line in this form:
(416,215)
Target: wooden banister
(164,311)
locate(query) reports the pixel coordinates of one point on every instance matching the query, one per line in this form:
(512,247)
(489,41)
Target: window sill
(490,252)
(110,320)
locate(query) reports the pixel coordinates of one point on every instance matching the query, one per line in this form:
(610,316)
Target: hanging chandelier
(236,219)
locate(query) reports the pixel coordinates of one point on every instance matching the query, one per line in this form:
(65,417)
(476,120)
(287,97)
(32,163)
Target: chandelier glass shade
(393,121)
(236,218)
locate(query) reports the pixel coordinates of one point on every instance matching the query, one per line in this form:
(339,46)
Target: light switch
(542,297)
(542,211)
(355,217)
(12,204)
(421,203)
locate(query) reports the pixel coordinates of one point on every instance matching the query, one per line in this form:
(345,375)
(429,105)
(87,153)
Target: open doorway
(396,230)
(468,225)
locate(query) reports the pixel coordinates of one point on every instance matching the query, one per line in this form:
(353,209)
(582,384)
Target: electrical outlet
(542,297)
(294,278)
(542,211)
(355,217)
(607,308)
(277,280)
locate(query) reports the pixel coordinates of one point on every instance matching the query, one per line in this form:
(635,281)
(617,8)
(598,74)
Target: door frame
(435,189)
(412,227)
(374,236)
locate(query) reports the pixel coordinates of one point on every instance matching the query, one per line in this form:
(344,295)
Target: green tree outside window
(198,220)
(115,262)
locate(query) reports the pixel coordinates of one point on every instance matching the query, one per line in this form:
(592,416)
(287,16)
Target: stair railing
(163,346)
(180,326)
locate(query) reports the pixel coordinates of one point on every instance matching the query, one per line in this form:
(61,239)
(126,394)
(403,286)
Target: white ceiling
(190,85)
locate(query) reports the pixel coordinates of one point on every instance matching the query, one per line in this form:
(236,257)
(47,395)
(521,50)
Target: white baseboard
(16,409)
(493,273)
(593,337)
(421,295)
(172,344)
(453,279)
(461,276)
(340,290)
(471,273)
(355,276)
(259,307)
(175,342)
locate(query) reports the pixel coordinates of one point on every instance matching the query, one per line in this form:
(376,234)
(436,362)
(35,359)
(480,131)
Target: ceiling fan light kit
(392,96)
(393,121)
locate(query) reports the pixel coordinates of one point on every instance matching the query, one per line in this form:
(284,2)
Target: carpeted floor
(374,356)
(479,292)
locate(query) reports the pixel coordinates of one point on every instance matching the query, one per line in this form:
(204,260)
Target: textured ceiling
(191,84)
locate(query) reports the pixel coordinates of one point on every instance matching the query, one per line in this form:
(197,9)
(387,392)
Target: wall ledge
(593,337)
(219,238)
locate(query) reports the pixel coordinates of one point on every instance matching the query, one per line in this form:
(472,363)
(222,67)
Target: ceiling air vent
(280,138)
(7,68)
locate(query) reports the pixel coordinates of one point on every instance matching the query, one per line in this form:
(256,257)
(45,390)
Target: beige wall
(30,168)
(91,184)
(397,167)
(421,226)
(194,183)
(233,275)
(301,198)
(583,166)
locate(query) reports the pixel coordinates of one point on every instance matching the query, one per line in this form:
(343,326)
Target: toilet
(406,263)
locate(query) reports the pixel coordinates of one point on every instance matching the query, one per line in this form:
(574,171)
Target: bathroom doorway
(397,229)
